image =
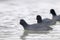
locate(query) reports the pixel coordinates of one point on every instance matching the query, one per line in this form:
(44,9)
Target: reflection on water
(33,33)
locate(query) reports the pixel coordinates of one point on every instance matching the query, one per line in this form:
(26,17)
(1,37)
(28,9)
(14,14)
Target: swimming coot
(55,16)
(35,27)
(45,21)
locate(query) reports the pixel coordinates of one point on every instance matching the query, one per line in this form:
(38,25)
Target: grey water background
(11,11)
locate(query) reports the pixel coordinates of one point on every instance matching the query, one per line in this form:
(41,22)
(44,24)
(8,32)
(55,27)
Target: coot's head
(52,11)
(39,19)
(23,23)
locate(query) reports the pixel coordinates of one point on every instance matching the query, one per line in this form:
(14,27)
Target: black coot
(55,16)
(45,21)
(35,27)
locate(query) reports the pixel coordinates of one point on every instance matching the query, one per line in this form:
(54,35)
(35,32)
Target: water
(11,11)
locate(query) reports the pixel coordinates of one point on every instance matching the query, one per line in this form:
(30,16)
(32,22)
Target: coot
(45,21)
(35,27)
(55,16)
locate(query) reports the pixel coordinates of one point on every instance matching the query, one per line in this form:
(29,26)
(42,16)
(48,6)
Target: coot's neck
(52,11)
(39,21)
(24,24)
(54,14)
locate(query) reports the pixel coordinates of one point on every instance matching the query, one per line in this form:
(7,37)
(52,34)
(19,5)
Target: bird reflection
(27,32)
